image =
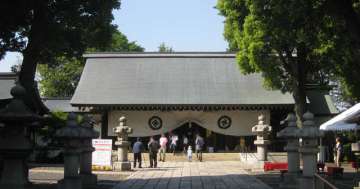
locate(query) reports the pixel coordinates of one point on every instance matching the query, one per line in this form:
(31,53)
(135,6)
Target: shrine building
(184,93)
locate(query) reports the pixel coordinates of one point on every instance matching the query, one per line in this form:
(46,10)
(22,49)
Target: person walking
(173,143)
(153,146)
(199,144)
(185,143)
(163,143)
(338,149)
(138,147)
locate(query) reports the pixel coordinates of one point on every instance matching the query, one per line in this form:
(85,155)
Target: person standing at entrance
(185,143)
(174,139)
(137,149)
(338,149)
(163,143)
(199,144)
(153,146)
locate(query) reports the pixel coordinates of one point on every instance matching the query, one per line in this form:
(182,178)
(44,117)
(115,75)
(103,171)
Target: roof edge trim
(161,55)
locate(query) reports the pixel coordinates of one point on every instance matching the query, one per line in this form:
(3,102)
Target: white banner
(241,121)
(102,154)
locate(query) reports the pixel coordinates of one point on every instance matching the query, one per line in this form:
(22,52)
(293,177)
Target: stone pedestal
(15,145)
(122,131)
(72,178)
(292,148)
(262,131)
(87,177)
(309,149)
(122,166)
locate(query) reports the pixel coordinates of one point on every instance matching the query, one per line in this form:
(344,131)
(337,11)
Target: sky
(186,25)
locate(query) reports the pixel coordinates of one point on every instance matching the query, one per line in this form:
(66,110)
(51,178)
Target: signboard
(102,154)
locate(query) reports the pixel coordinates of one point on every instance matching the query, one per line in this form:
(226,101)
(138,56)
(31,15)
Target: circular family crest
(224,122)
(155,123)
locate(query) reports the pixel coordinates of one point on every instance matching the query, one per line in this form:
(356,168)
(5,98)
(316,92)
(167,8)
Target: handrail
(321,183)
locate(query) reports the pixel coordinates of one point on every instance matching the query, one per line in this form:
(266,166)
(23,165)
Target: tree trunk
(299,95)
(299,91)
(31,56)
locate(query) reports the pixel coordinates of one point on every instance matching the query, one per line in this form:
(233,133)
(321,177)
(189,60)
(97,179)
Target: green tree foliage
(61,79)
(165,49)
(291,43)
(45,30)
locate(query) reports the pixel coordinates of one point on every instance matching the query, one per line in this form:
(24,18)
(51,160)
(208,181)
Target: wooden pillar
(104,125)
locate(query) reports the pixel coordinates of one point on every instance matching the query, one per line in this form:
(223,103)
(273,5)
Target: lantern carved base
(122,166)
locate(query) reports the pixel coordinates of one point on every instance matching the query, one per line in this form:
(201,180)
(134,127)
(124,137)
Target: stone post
(122,131)
(292,149)
(15,146)
(262,131)
(72,135)
(87,177)
(309,149)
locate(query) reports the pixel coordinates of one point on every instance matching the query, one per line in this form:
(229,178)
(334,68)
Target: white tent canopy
(338,123)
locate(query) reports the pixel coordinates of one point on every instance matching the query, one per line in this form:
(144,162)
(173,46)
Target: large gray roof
(170,79)
(59,104)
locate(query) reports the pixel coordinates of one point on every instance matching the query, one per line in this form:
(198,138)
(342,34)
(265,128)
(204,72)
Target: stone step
(275,157)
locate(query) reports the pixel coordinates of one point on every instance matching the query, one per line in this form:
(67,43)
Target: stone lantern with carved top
(262,132)
(122,132)
(88,178)
(309,149)
(72,136)
(15,145)
(289,133)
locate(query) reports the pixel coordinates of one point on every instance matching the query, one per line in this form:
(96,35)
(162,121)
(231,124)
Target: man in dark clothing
(153,150)
(199,144)
(137,149)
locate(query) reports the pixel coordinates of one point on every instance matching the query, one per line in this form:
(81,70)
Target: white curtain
(241,121)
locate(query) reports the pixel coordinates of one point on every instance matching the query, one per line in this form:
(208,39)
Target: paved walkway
(192,175)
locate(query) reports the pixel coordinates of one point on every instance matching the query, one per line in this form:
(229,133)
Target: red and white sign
(102,154)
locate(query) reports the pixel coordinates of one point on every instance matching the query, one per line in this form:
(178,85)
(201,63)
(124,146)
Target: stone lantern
(290,134)
(15,145)
(72,135)
(309,149)
(122,131)
(87,177)
(262,140)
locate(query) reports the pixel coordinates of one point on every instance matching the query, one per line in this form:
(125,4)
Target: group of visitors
(160,147)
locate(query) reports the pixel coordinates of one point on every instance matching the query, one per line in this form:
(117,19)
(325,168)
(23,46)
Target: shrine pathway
(192,175)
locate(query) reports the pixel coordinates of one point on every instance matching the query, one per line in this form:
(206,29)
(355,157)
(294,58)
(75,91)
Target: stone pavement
(192,175)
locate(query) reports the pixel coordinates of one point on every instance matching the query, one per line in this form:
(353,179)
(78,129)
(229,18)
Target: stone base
(70,183)
(122,166)
(88,179)
(306,182)
(250,161)
(290,181)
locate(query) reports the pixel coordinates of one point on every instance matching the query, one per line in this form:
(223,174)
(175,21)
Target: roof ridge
(159,54)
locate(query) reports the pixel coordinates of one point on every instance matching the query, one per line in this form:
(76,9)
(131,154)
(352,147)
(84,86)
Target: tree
(44,30)
(61,80)
(291,43)
(165,49)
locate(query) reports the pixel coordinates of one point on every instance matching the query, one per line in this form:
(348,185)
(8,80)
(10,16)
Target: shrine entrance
(190,130)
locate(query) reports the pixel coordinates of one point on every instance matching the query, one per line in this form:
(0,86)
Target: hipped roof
(116,79)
